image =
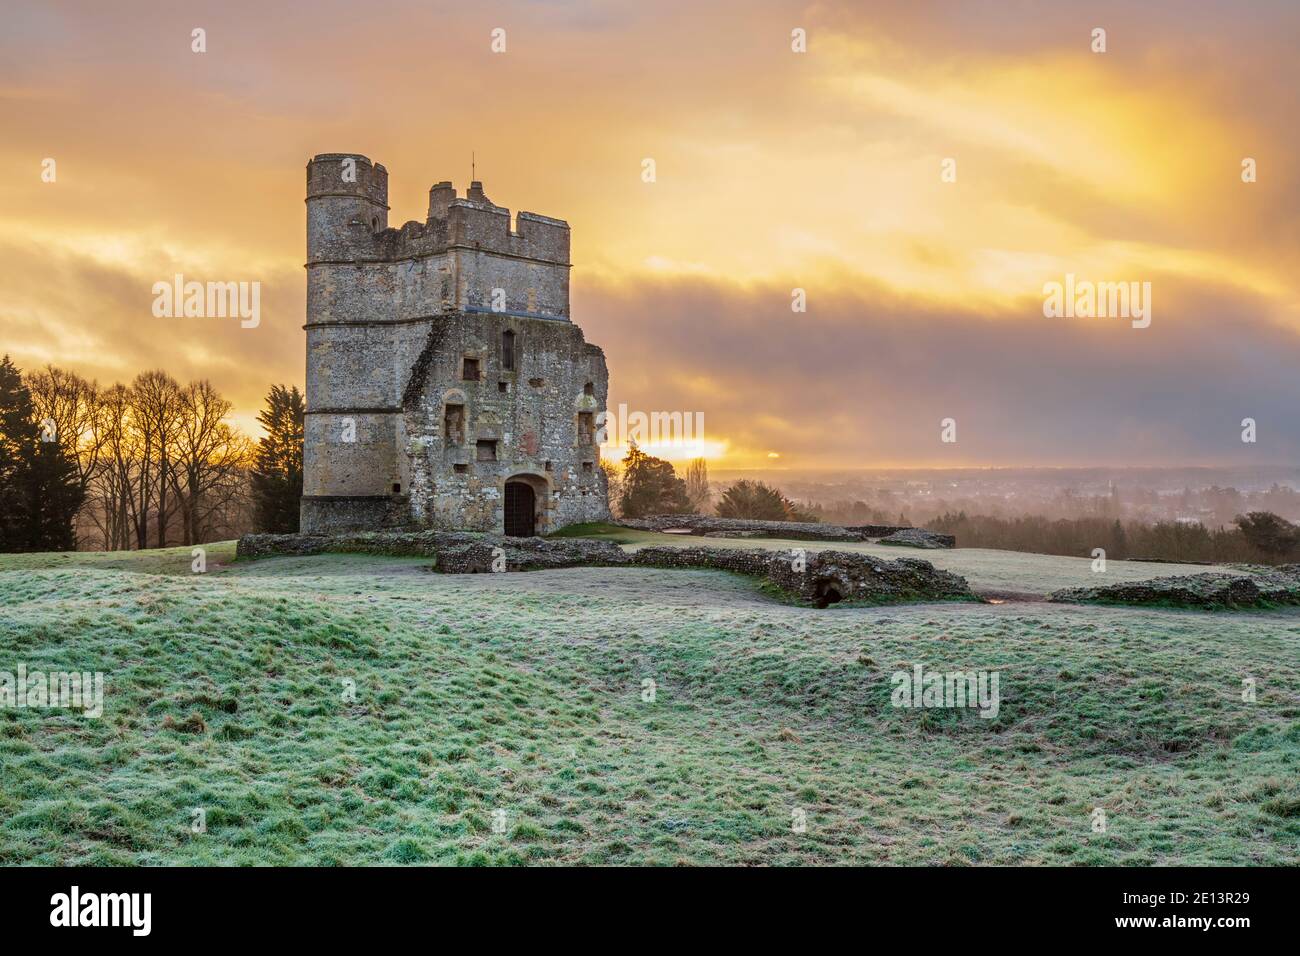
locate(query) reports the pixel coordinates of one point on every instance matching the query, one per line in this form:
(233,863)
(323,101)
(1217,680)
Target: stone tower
(446,386)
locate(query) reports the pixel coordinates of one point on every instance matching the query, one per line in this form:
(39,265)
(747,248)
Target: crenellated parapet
(483,259)
(351,194)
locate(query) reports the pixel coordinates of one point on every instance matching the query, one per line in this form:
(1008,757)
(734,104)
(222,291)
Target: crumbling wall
(529,412)
(821,579)
(825,577)
(1261,587)
(714,527)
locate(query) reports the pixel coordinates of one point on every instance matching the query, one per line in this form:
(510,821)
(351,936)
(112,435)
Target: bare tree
(70,404)
(146,455)
(614,476)
(697,485)
(104,509)
(156,413)
(208,460)
(114,495)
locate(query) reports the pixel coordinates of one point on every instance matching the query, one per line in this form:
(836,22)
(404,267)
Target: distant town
(1212,497)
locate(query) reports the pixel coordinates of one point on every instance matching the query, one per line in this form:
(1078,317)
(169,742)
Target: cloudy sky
(775,170)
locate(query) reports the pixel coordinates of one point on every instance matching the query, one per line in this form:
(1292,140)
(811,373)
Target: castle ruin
(447,387)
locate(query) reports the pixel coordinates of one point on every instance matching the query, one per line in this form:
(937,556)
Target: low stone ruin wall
(825,577)
(875,530)
(711,527)
(479,554)
(455,552)
(426,543)
(919,538)
(1214,590)
(708,526)
(414,543)
(820,579)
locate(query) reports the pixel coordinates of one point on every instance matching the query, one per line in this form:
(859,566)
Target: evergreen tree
(1273,535)
(17,431)
(758,501)
(754,500)
(1118,541)
(40,489)
(651,486)
(55,495)
(277,470)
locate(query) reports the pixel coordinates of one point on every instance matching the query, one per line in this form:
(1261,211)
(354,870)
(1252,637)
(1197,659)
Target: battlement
(351,193)
(466,255)
(476,222)
(347,175)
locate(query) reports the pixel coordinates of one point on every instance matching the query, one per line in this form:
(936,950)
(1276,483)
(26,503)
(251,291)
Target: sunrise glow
(917,203)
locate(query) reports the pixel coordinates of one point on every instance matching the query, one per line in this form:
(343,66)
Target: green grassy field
(523,693)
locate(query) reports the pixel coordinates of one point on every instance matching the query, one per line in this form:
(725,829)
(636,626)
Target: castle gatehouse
(447,387)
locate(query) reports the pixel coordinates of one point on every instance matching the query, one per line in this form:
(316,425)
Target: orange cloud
(775,171)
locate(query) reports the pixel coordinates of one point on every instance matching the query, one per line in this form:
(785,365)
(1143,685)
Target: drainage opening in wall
(827,593)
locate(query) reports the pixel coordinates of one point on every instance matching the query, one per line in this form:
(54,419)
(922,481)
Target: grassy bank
(523,693)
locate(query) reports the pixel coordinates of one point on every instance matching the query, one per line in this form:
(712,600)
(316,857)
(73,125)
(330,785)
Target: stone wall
(712,527)
(824,577)
(466,248)
(919,538)
(454,552)
(1261,587)
(391,316)
(821,579)
(340,514)
(538,414)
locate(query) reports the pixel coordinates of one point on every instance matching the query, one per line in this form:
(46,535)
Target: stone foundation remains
(819,579)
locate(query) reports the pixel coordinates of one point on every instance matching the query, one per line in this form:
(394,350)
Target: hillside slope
(525,693)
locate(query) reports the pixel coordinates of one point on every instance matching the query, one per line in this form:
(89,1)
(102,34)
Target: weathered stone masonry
(447,387)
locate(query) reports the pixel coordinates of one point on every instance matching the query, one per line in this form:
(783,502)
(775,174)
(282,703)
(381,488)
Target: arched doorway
(520,510)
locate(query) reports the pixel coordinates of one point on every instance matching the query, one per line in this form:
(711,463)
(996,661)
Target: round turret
(347,203)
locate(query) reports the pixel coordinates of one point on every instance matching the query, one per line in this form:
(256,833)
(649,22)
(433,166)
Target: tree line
(152,463)
(156,463)
(1256,537)
(646,485)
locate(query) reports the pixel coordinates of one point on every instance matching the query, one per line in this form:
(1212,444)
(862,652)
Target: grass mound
(348,709)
